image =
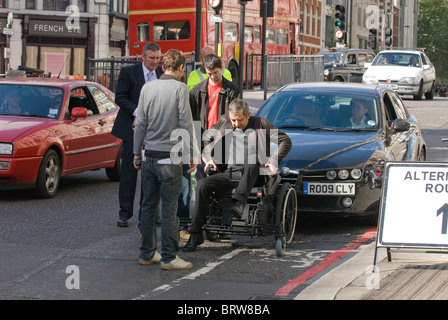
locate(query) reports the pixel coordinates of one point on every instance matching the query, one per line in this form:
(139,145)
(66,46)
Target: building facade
(57,36)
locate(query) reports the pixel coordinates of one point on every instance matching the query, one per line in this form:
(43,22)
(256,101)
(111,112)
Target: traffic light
(372,39)
(340,22)
(270,9)
(388,37)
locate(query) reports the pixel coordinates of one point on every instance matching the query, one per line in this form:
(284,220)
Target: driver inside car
(245,133)
(12,104)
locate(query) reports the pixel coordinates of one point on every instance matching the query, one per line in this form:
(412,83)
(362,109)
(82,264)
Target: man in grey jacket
(163,109)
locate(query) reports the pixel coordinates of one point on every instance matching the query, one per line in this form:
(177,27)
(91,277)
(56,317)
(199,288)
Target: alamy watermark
(73,280)
(72,22)
(225,147)
(373,279)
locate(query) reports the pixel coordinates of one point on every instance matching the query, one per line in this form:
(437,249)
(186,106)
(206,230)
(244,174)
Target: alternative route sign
(414,208)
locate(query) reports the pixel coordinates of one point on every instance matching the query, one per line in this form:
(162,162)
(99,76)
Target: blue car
(342,135)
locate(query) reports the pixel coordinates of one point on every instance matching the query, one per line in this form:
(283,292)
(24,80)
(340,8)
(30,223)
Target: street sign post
(414,206)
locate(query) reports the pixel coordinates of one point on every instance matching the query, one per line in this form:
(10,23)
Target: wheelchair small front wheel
(280,246)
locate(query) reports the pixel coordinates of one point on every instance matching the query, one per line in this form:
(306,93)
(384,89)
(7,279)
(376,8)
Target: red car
(51,128)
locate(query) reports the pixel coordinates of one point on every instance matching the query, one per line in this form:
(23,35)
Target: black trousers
(221,183)
(128,181)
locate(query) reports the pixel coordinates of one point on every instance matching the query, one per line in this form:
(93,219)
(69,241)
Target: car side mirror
(400,125)
(367,64)
(78,112)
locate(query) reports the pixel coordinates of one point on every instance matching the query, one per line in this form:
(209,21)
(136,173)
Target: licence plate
(391,86)
(328,188)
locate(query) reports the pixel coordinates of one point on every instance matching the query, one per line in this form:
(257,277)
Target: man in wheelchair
(243,143)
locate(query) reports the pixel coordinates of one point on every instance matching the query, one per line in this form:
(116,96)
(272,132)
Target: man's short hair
(238,105)
(212,61)
(173,59)
(151,46)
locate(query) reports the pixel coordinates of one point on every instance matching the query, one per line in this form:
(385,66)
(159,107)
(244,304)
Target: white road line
(192,276)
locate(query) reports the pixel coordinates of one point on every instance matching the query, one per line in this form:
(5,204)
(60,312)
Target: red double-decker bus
(172,25)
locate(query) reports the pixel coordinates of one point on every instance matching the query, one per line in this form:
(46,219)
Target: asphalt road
(69,247)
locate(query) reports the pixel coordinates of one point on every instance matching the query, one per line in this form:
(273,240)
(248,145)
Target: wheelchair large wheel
(285,217)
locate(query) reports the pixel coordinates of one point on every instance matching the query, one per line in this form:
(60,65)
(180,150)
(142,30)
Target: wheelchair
(271,209)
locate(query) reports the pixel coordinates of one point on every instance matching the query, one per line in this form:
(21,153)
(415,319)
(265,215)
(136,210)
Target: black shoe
(122,222)
(237,209)
(196,239)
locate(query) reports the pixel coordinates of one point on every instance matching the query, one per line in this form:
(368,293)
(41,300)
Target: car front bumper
(21,173)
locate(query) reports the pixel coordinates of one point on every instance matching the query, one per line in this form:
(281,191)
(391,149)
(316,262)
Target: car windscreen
(397,59)
(31,100)
(322,111)
(333,58)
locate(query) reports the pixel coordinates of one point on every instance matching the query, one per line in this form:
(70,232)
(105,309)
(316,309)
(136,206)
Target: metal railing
(280,69)
(106,71)
(284,69)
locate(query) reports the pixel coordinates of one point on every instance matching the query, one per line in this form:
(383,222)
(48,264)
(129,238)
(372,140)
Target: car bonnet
(324,149)
(12,127)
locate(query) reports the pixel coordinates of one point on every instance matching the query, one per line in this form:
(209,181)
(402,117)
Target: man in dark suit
(130,82)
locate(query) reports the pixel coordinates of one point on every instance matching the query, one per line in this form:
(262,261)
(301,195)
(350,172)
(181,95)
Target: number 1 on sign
(444,210)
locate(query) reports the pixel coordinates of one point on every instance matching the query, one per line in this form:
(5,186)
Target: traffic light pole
(241,57)
(264,3)
(197,44)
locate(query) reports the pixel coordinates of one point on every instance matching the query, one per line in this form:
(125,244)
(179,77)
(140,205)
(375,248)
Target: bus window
(230,32)
(257,34)
(270,35)
(172,30)
(249,34)
(143,32)
(282,36)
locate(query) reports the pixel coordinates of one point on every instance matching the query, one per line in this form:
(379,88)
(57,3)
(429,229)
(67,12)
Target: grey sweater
(163,109)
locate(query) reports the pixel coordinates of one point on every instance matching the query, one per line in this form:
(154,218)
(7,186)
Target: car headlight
(326,72)
(6,149)
(410,80)
(356,174)
(369,79)
(343,174)
(331,175)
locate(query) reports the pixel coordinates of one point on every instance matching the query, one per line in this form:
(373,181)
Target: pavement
(411,274)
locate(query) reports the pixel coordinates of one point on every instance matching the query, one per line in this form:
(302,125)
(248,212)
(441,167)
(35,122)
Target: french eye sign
(414,207)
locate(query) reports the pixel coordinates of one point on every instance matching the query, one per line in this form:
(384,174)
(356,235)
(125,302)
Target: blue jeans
(164,182)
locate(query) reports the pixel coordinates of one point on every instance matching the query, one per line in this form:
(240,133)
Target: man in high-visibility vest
(198,75)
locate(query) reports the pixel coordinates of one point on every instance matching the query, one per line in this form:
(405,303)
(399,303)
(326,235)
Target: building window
(3,3)
(57,5)
(119,6)
(82,5)
(30,4)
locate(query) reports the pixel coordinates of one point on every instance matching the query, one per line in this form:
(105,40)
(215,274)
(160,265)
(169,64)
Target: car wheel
(114,173)
(430,95)
(49,175)
(339,79)
(419,95)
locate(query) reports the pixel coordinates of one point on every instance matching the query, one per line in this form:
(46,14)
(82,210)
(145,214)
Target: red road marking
(326,262)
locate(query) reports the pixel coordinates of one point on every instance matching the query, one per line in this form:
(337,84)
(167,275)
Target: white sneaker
(155,259)
(177,264)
